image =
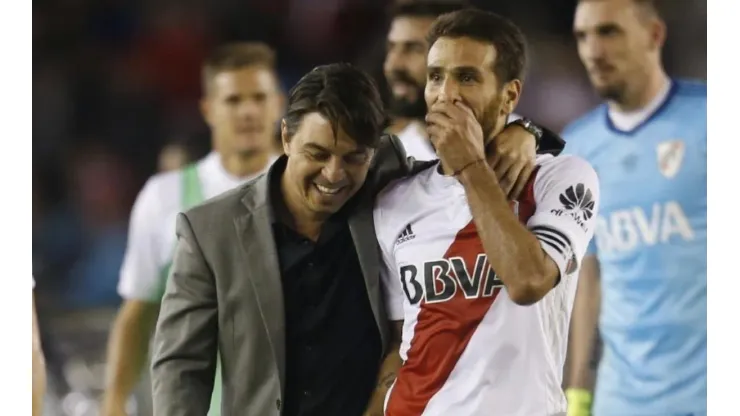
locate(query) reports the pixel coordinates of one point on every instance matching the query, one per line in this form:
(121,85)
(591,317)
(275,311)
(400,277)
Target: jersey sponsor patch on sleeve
(578,203)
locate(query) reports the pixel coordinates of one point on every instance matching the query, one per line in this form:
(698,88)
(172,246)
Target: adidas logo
(406,235)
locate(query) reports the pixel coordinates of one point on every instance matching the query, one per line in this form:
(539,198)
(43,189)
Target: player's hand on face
(512,155)
(456,134)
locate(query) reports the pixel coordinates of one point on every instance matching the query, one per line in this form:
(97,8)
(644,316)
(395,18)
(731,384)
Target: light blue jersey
(651,241)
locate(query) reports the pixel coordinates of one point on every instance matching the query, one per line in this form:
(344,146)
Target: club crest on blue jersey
(670,157)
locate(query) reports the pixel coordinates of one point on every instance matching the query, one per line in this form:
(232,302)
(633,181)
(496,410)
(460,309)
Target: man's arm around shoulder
(186,337)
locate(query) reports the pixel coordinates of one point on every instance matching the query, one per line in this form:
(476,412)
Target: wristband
(469,164)
(579,402)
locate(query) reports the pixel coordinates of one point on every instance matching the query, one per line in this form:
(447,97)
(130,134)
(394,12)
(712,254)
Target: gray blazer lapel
(363,234)
(255,234)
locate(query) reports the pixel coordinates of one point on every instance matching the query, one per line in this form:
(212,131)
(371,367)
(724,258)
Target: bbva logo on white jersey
(628,229)
(439,280)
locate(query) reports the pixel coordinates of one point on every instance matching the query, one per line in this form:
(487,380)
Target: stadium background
(114,81)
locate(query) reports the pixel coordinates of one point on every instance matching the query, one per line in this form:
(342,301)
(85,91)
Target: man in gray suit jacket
(278,279)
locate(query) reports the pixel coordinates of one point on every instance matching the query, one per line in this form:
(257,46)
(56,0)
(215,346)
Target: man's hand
(512,155)
(458,139)
(456,135)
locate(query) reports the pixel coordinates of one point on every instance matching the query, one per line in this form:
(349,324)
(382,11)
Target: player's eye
(318,156)
(418,48)
(434,77)
(356,158)
(608,30)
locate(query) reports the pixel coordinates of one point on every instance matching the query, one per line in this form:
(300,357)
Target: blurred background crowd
(116,85)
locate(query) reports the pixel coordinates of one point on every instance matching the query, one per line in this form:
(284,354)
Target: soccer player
(484,286)
(242,102)
(644,276)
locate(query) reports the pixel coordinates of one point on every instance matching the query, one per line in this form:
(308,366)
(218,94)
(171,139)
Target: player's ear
(511,92)
(205,109)
(658,33)
(284,137)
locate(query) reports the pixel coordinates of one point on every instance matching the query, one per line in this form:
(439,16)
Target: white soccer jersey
(416,143)
(151,237)
(467,348)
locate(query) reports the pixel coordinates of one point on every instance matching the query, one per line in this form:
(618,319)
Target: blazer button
(277,404)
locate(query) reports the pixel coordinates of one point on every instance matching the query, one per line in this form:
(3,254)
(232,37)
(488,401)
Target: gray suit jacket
(224,295)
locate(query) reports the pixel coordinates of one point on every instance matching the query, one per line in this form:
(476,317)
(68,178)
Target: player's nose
(448,92)
(392,61)
(248,109)
(592,48)
(334,171)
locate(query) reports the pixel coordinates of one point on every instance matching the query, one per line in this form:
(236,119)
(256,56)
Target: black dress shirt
(333,346)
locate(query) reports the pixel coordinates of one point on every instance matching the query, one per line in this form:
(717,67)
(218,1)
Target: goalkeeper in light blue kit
(646,272)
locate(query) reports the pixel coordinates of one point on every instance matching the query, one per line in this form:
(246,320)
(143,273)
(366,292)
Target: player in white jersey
(242,103)
(484,286)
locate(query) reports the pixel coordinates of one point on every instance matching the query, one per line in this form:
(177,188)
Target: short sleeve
(140,277)
(566,193)
(390,280)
